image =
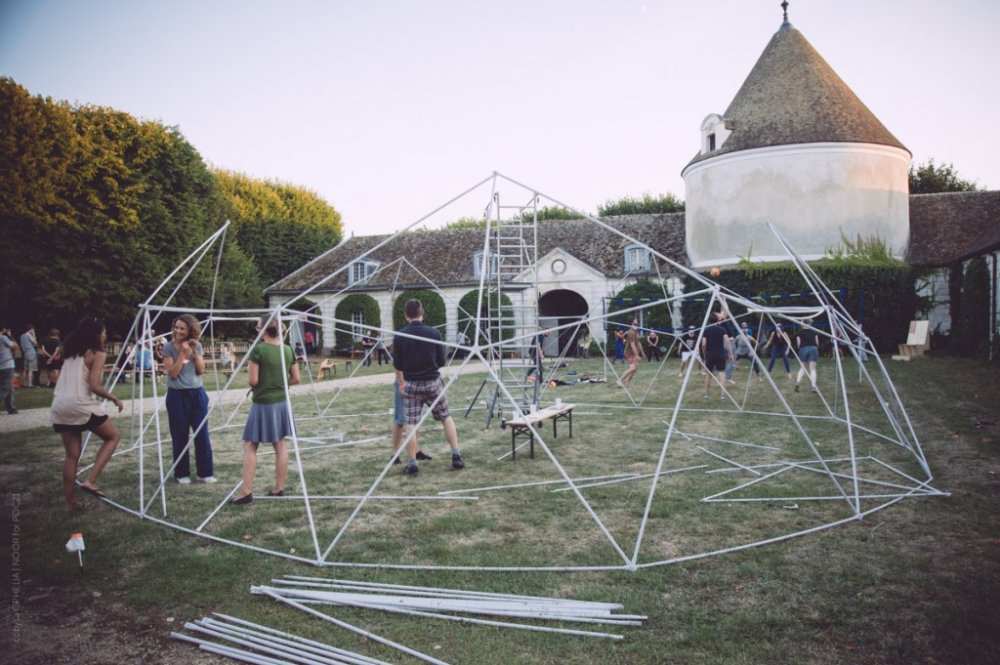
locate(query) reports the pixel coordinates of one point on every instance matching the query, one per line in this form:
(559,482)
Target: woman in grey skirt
(269,420)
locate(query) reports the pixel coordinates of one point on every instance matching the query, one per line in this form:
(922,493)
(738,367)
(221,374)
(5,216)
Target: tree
(929,179)
(279,226)
(96,209)
(647,205)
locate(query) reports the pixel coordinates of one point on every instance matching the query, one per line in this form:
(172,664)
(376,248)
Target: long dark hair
(85,337)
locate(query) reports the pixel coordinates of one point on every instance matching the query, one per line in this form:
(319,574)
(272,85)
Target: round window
(558,266)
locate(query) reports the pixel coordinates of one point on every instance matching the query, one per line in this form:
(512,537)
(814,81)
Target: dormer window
(636,258)
(713,133)
(362,270)
(478,264)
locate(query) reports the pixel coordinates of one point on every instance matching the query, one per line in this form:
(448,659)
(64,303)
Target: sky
(389,108)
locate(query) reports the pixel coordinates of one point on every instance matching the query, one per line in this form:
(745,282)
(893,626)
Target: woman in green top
(269,419)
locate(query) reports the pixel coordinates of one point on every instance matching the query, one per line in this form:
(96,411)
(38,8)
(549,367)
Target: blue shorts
(399,416)
(809,354)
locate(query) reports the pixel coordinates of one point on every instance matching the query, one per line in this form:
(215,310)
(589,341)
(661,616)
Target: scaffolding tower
(509,315)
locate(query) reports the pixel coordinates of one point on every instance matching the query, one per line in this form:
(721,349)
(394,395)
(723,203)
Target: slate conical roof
(793,96)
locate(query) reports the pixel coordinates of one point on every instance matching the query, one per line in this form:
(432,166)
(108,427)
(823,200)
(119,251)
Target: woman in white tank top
(75,408)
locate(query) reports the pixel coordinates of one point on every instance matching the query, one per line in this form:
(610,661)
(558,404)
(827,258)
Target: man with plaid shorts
(417,359)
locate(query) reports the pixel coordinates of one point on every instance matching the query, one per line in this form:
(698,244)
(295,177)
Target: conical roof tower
(794,133)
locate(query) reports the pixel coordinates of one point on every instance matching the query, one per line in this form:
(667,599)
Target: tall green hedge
(467,307)
(434,311)
(878,295)
(371,314)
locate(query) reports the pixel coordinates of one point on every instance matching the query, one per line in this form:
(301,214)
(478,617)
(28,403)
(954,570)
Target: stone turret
(796,148)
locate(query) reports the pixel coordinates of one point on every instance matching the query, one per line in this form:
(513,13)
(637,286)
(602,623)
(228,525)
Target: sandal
(96,491)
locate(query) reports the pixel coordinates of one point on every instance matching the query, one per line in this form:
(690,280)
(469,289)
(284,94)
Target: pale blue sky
(388,108)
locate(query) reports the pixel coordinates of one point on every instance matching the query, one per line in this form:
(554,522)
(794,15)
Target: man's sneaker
(796,387)
(411,469)
(208,479)
(457,462)
(421,455)
(186,480)
(397,461)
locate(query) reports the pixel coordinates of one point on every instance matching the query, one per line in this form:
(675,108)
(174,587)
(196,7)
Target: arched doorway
(559,308)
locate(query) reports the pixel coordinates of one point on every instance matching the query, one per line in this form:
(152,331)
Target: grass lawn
(918,582)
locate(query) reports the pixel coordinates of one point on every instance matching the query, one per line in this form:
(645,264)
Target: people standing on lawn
(51,352)
(187,401)
(688,352)
(7,348)
(779,343)
(368,346)
(29,355)
(716,351)
(75,408)
(309,340)
(269,364)
(807,345)
(652,346)
(726,321)
(228,356)
(619,344)
(417,359)
(633,353)
(744,347)
(382,355)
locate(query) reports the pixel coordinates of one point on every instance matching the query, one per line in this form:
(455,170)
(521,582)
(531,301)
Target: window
(362,270)
(636,258)
(711,142)
(477,264)
(357,323)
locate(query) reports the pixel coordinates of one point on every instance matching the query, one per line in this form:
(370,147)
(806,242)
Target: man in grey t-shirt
(7,348)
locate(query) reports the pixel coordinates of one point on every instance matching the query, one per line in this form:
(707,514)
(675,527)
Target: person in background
(744,347)
(368,346)
(688,353)
(300,354)
(652,346)
(228,356)
(619,344)
(7,348)
(633,354)
(779,344)
(807,344)
(75,408)
(309,340)
(29,352)
(716,349)
(187,401)
(269,364)
(380,350)
(51,351)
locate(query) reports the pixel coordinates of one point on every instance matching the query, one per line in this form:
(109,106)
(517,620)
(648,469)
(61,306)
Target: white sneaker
(208,479)
(184,481)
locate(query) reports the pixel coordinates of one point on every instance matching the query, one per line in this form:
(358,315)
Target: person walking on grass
(807,343)
(187,401)
(716,350)
(268,365)
(417,360)
(75,409)
(633,354)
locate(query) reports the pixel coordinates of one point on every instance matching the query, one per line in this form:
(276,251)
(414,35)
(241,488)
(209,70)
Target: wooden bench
(330,364)
(519,427)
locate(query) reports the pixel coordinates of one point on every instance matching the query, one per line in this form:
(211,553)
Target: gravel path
(33,418)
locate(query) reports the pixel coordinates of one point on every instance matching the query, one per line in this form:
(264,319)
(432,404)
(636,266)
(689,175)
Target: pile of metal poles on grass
(260,644)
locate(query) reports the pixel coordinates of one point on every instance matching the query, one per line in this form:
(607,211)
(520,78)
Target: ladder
(511,318)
